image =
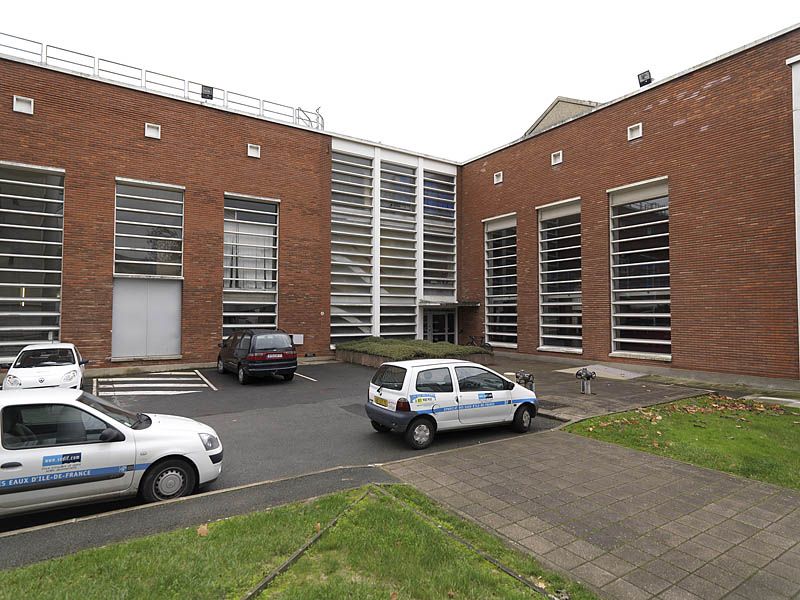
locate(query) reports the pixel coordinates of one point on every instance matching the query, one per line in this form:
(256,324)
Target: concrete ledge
(154,368)
(372,360)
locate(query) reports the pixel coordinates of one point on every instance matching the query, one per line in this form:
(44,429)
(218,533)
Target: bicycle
(479,341)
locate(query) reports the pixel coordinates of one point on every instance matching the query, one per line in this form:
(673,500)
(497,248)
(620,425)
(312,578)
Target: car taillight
(402,405)
(291,355)
(257,356)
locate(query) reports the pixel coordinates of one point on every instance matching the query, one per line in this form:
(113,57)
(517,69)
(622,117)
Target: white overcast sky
(448,78)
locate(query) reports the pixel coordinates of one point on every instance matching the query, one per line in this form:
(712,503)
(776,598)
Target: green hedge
(409,349)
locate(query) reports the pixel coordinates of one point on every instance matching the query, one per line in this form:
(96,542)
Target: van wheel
(379,427)
(419,434)
(220,366)
(243,377)
(170,479)
(522,419)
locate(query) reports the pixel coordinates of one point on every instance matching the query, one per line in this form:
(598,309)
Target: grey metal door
(146,318)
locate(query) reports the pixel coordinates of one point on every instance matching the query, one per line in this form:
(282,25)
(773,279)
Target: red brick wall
(723,136)
(95,131)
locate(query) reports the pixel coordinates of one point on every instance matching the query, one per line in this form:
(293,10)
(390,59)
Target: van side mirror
(112,435)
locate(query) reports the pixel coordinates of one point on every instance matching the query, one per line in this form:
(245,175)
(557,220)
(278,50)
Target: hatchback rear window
(271,341)
(390,377)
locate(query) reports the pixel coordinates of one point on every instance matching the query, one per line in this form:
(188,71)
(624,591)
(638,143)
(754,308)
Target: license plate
(381,401)
(274,355)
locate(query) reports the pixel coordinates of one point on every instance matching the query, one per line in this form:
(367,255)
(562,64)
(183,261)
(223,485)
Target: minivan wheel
(419,434)
(170,479)
(288,376)
(522,419)
(380,428)
(220,366)
(242,376)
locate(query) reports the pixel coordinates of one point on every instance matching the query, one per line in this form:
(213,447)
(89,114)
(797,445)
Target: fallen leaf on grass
(317,527)
(655,444)
(451,594)
(738,427)
(202,531)
(393,596)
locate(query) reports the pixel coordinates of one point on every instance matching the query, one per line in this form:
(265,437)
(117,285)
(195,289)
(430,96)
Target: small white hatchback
(421,397)
(63,447)
(46,366)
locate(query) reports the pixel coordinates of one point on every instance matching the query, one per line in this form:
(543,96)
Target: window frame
(492,225)
(446,369)
(37,447)
(650,190)
(488,372)
(145,185)
(549,212)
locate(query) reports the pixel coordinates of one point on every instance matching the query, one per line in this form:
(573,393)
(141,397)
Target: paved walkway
(629,524)
(560,397)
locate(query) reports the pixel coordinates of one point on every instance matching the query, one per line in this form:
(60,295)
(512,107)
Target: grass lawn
(751,439)
(380,548)
(409,349)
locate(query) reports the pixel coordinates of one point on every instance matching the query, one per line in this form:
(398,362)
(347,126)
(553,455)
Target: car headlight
(12,381)
(209,441)
(69,376)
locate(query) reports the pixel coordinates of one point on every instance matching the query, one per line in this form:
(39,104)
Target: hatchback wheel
(242,376)
(220,366)
(419,434)
(167,480)
(523,419)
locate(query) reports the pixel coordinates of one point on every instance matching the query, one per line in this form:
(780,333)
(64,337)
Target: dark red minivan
(258,353)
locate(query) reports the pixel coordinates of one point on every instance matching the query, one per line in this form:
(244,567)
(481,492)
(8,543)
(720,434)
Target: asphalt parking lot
(271,429)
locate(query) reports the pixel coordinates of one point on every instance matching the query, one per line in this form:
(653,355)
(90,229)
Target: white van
(421,397)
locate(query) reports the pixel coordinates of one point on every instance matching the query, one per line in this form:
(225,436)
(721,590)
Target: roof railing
(109,70)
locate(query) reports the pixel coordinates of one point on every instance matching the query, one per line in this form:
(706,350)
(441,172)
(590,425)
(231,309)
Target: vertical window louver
(398,238)
(351,247)
(31,230)
(250,265)
(501,281)
(439,235)
(640,271)
(560,306)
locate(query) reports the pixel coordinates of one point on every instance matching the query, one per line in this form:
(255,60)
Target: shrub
(409,349)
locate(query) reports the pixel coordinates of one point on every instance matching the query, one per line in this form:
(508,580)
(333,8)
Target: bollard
(586,376)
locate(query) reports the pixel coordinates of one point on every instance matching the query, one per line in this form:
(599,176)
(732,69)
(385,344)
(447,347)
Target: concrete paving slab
(626,523)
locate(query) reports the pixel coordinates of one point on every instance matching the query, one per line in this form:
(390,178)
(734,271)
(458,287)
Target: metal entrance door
(440,326)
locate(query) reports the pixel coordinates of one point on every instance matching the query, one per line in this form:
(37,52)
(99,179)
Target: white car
(421,397)
(46,366)
(63,447)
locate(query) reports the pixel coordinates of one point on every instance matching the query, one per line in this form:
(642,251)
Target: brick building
(144,217)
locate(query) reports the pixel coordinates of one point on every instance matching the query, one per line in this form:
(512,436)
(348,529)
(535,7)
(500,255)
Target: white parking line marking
(305,377)
(107,386)
(201,376)
(148,379)
(150,393)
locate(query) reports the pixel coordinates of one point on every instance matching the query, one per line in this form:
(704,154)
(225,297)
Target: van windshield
(271,341)
(390,377)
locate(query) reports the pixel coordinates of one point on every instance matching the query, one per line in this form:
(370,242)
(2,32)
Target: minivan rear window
(271,341)
(390,377)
